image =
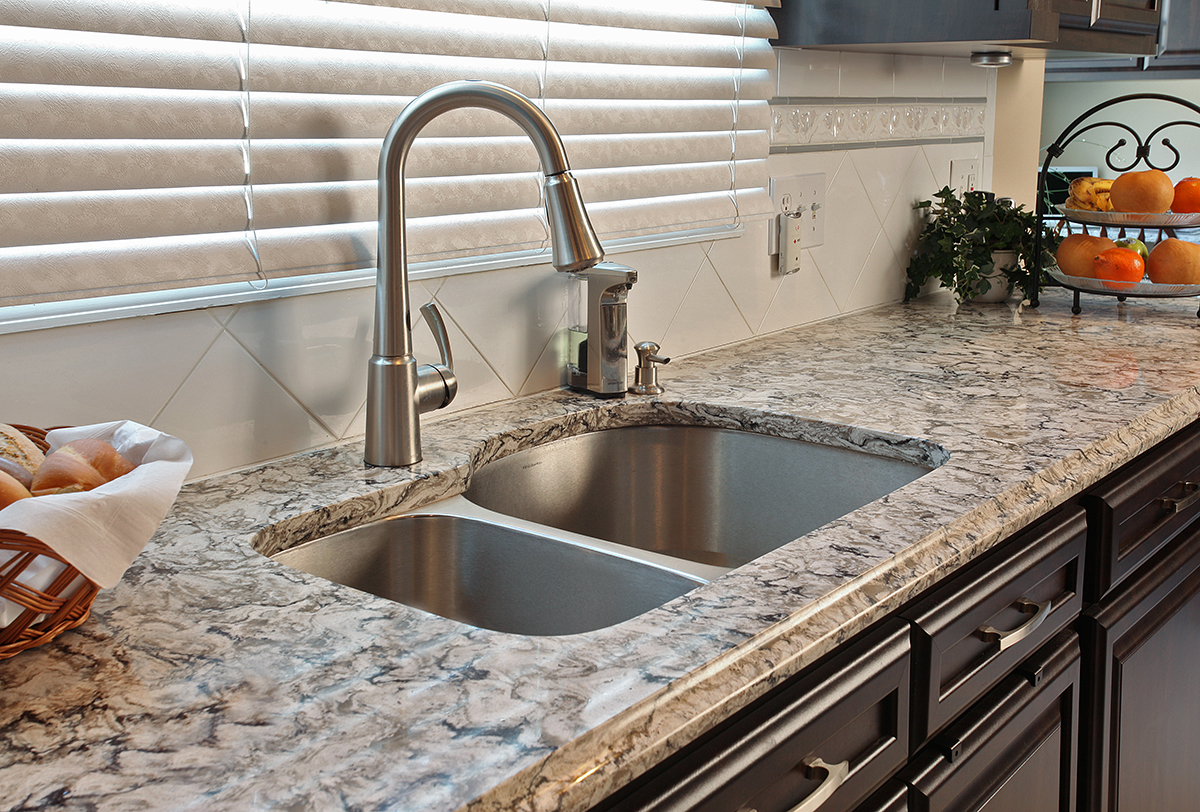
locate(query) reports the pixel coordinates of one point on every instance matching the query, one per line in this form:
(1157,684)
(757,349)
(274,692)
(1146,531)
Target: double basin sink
(590,530)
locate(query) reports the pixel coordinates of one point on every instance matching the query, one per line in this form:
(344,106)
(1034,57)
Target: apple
(1135,245)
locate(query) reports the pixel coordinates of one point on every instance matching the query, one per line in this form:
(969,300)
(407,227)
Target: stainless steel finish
(1095,16)
(1191,492)
(715,496)
(645,374)
(398,390)
(603,370)
(1040,612)
(489,575)
(991,59)
(835,776)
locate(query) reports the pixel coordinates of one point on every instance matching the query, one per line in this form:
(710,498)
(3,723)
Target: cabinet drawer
(971,631)
(1141,507)
(1014,751)
(892,798)
(826,738)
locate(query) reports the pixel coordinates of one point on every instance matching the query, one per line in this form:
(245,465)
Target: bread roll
(80,465)
(20,449)
(11,490)
(18,472)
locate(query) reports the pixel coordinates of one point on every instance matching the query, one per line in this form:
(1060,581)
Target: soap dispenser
(596,326)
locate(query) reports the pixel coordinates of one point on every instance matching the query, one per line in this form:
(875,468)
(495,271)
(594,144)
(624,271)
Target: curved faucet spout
(398,390)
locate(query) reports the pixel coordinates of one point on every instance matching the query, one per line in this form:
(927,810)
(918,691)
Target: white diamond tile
(664,277)
(881,280)
(509,316)
(550,371)
(232,413)
(903,223)
(850,230)
(744,266)
(801,298)
(882,173)
(707,318)
(316,346)
(93,373)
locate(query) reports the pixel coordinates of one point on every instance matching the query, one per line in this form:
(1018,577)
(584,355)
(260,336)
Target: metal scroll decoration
(1142,155)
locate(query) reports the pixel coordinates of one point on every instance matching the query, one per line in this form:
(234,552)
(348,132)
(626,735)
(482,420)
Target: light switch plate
(804,194)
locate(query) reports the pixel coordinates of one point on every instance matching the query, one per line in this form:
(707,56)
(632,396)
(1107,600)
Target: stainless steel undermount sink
(717,496)
(588,531)
(489,575)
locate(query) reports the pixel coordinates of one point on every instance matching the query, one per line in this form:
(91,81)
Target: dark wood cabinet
(1141,728)
(826,739)
(1013,751)
(974,629)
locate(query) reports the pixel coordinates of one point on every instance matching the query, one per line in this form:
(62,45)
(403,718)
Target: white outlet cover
(805,193)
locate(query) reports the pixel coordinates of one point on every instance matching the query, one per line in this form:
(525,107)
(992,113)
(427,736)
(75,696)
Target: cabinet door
(1141,726)
(1116,26)
(824,740)
(972,630)
(1015,750)
(1140,508)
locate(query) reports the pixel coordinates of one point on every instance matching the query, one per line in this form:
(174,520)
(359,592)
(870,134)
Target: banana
(1090,194)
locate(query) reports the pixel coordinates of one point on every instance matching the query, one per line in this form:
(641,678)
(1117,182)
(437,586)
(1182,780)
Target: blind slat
(150,143)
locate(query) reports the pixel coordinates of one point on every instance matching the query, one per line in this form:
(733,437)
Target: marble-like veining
(212,677)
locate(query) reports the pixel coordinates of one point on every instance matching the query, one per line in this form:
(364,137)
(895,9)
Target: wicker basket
(61,606)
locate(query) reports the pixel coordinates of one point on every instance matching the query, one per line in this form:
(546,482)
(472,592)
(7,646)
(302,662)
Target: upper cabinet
(1178,54)
(961,27)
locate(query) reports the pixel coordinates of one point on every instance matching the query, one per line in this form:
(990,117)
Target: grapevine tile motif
(855,122)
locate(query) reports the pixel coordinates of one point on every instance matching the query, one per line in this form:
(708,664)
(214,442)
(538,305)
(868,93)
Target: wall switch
(964,175)
(802,195)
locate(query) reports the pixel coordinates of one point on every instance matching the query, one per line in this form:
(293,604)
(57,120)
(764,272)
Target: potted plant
(977,246)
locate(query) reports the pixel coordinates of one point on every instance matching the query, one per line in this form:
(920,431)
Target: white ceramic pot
(998,292)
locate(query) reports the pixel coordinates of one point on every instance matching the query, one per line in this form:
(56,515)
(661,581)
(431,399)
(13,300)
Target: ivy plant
(959,235)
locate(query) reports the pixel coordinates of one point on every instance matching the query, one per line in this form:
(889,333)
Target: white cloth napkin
(101,531)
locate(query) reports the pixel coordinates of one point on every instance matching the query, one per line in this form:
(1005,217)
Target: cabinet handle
(1095,4)
(1191,492)
(1040,612)
(835,776)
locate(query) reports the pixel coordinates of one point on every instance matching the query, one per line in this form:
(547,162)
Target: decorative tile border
(847,123)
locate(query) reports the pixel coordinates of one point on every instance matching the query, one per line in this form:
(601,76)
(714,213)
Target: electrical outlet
(802,195)
(964,175)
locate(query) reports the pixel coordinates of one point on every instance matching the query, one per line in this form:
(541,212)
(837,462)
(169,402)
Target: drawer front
(892,798)
(1015,750)
(974,629)
(1140,508)
(822,741)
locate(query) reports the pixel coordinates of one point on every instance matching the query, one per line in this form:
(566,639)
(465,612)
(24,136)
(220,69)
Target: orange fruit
(1187,196)
(1077,251)
(1119,268)
(1148,191)
(1174,262)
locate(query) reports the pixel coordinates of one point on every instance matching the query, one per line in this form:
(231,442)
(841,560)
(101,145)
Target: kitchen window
(170,149)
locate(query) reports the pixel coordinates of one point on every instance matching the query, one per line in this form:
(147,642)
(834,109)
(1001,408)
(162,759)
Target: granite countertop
(213,678)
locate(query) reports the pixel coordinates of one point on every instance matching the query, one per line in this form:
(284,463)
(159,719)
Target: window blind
(156,144)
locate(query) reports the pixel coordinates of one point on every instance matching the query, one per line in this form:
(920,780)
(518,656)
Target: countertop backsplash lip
(279,688)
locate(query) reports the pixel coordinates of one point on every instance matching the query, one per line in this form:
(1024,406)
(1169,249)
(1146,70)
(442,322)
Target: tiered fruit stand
(1112,224)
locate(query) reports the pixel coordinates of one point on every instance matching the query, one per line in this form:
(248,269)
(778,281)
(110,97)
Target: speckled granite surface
(213,678)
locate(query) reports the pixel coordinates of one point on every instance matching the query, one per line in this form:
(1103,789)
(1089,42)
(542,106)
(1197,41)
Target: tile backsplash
(251,382)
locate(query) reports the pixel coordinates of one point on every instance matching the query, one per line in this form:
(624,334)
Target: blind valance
(152,144)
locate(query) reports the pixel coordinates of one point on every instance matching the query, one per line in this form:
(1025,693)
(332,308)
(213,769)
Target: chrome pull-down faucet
(398,389)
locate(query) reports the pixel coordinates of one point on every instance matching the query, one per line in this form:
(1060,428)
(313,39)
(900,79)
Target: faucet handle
(433,317)
(645,374)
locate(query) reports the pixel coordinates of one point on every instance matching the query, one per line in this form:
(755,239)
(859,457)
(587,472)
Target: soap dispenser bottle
(597,327)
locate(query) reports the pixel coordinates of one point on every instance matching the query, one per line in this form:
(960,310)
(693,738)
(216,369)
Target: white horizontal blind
(150,144)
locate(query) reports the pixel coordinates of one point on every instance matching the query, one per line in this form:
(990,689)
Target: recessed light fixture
(991,59)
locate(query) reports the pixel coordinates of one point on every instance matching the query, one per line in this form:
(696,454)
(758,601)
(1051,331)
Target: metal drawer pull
(1040,612)
(1191,491)
(835,776)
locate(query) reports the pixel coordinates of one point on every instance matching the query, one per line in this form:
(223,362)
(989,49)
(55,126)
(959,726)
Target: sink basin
(716,496)
(488,575)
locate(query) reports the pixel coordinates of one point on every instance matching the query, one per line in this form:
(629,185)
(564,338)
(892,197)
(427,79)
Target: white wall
(252,382)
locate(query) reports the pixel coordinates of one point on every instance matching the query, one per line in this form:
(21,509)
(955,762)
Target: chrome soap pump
(597,326)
